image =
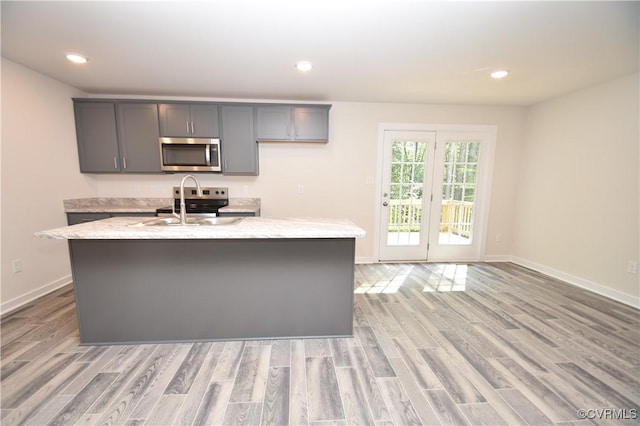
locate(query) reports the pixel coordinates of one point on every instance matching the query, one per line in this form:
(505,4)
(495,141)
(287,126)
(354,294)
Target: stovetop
(212,199)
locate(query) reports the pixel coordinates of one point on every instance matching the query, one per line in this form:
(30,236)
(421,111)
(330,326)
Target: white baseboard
(493,258)
(498,258)
(609,292)
(34,294)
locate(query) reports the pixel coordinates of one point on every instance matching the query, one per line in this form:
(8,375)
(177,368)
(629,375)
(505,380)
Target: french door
(406,192)
(433,192)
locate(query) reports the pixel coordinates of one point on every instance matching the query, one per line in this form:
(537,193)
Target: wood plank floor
(433,344)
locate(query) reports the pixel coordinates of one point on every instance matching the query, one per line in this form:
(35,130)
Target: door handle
(385,204)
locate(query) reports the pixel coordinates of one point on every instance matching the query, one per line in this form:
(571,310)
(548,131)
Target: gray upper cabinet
(122,135)
(189,120)
(97,137)
(115,137)
(239,147)
(138,137)
(288,123)
(311,124)
(274,123)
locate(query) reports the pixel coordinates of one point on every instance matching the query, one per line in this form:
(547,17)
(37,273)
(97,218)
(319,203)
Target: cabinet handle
(188,132)
(124,162)
(115,162)
(193,128)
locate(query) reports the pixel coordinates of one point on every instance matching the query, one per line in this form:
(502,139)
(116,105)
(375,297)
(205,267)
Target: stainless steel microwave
(190,154)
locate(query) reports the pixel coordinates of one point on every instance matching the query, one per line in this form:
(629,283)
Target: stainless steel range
(207,204)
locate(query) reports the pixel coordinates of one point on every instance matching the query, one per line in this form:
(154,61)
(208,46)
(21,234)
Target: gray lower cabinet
(76,218)
(239,147)
(189,120)
(117,137)
(97,137)
(287,123)
(237,214)
(138,137)
(155,291)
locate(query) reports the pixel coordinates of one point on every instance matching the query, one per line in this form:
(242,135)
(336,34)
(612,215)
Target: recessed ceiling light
(76,59)
(304,66)
(499,74)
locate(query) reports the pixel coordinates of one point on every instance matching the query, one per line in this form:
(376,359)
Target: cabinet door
(204,119)
(97,137)
(76,218)
(175,120)
(239,147)
(237,214)
(133,214)
(274,123)
(139,137)
(311,124)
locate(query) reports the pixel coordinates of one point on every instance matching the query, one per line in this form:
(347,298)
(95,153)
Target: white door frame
(482,219)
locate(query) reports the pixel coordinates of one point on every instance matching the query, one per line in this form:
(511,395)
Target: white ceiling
(373,51)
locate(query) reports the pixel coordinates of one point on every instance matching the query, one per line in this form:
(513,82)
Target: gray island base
(206,287)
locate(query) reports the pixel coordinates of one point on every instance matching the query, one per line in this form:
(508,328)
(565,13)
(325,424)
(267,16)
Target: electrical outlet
(498,237)
(632,267)
(300,189)
(16,265)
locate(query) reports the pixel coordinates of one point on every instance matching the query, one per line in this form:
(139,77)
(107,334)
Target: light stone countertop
(114,205)
(148,205)
(242,205)
(120,228)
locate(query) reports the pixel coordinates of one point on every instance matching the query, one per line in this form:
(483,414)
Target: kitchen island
(260,278)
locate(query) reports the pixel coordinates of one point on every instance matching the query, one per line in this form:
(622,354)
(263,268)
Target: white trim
(496,258)
(594,287)
(365,260)
(34,294)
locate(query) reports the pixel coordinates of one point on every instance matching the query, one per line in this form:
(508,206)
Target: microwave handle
(207,156)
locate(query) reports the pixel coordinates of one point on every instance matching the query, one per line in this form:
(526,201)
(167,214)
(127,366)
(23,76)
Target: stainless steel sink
(213,221)
(191,221)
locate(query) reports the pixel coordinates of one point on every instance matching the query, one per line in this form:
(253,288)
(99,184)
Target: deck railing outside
(406,216)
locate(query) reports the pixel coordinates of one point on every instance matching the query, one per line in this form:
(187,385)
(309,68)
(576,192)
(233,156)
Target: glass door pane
(458,192)
(406,192)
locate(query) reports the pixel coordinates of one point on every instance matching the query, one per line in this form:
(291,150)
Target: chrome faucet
(183,207)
